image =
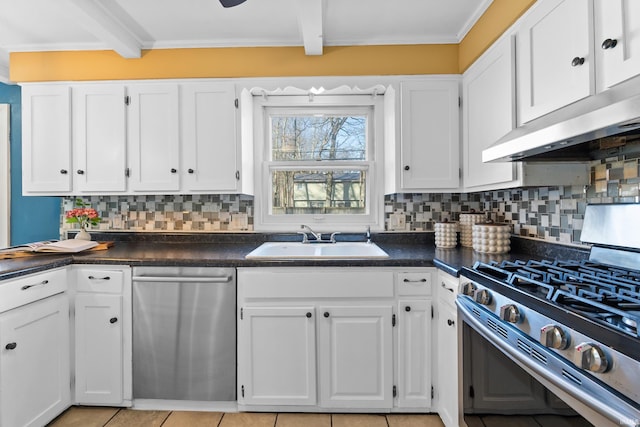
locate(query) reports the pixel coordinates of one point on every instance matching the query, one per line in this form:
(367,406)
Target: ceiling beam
(102,24)
(310,22)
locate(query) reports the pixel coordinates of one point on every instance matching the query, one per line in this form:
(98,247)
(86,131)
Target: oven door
(506,373)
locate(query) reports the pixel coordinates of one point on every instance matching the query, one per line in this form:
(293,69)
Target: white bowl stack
(446,234)
(466,227)
(492,238)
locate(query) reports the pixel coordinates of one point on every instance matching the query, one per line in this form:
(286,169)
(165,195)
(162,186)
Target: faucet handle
(305,238)
(333,236)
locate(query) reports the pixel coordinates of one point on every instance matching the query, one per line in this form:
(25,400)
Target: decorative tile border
(553,214)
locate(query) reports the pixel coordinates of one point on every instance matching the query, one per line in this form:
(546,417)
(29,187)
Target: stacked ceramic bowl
(446,234)
(492,238)
(466,227)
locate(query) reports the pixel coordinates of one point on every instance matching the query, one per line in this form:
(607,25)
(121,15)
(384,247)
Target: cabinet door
(430,137)
(153,134)
(46,139)
(209,141)
(617,20)
(277,363)
(414,354)
(34,362)
(489,114)
(355,356)
(447,362)
(99,138)
(552,42)
(498,383)
(99,364)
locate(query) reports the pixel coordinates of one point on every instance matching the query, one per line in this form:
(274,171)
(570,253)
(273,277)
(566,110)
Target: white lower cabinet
(34,352)
(414,355)
(447,357)
(279,358)
(334,339)
(355,355)
(103,336)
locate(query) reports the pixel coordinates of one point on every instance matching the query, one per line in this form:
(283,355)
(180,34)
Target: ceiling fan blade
(231,3)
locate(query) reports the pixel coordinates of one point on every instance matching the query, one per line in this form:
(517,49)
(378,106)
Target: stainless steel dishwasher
(184,333)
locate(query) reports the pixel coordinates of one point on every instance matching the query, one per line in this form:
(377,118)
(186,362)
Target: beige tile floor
(116,417)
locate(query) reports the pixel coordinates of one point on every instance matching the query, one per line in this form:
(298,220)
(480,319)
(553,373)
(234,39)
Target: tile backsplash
(553,214)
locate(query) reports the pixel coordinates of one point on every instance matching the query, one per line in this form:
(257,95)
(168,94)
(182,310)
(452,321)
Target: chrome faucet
(305,239)
(368,234)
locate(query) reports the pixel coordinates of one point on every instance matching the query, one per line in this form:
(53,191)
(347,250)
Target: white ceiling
(127,26)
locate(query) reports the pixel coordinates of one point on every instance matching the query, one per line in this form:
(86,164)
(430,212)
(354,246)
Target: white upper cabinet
(555,57)
(617,41)
(153,134)
(210,152)
(488,114)
(429,147)
(46,139)
(99,138)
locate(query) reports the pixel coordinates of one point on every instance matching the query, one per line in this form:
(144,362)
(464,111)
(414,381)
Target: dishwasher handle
(183,279)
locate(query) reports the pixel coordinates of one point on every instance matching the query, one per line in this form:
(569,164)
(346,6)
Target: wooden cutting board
(102,246)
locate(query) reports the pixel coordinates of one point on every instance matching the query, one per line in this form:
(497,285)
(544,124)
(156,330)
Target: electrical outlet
(397,221)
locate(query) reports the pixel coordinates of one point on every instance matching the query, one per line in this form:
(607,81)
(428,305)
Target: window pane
(318,192)
(318,137)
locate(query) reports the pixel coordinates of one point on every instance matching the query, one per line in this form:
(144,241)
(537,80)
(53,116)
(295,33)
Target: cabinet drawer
(447,288)
(414,283)
(99,280)
(18,292)
(305,283)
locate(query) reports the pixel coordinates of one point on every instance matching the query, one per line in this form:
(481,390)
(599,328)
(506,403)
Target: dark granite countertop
(229,250)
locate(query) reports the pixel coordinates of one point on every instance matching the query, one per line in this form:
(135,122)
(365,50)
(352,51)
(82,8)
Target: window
(318,162)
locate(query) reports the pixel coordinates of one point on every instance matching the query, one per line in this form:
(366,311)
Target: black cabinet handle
(326,314)
(113,320)
(450,322)
(415,281)
(99,278)
(407,308)
(190,170)
(577,61)
(309,315)
(445,286)
(407,167)
(609,44)
(80,172)
(11,346)
(25,287)
(63,171)
(174,170)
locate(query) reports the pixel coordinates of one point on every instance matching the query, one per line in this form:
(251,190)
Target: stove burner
(609,295)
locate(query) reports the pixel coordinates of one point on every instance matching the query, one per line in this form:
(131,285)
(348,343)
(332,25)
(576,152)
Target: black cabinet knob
(174,170)
(407,308)
(63,171)
(609,44)
(190,170)
(577,61)
(113,320)
(309,315)
(450,322)
(407,167)
(80,172)
(11,346)
(326,314)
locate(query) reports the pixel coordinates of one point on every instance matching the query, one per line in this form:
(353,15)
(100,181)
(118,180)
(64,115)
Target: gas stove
(572,323)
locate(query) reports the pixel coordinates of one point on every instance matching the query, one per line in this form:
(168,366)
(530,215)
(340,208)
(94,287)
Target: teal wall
(32,218)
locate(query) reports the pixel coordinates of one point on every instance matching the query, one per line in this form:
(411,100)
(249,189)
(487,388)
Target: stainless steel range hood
(569,133)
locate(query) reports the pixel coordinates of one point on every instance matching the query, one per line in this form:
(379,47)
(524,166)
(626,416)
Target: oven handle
(602,406)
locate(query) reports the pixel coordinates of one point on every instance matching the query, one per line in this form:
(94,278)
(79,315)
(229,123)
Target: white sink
(298,250)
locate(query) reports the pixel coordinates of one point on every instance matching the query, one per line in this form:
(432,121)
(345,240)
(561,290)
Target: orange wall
(496,19)
(271,61)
